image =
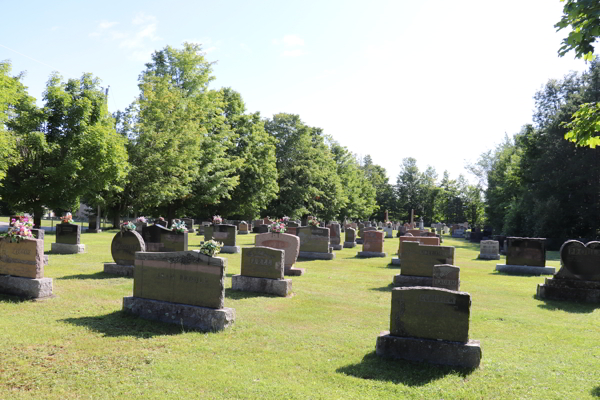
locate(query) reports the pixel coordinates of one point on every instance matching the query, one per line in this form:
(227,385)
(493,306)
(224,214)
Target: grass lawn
(318,344)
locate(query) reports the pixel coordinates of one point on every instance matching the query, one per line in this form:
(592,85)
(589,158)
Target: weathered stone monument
(579,276)
(350,240)
(372,245)
(430,325)
(389,232)
(243,228)
(489,250)
(262,272)
(68,237)
(335,236)
(186,288)
(123,248)
(189,224)
(314,243)
(526,256)
(226,234)
(418,261)
(431,241)
(160,239)
(446,276)
(22,269)
(283,241)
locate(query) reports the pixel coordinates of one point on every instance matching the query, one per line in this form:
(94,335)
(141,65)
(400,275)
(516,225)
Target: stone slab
(489,256)
(525,270)
(466,355)
(396,261)
(62,248)
(370,254)
(68,233)
(193,317)
(278,287)
(282,241)
(262,262)
(124,245)
(243,232)
(316,255)
(225,234)
(26,287)
(580,261)
(230,249)
(430,313)
(373,241)
(569,290)
(293,271)
(418,259)
(337,246)
(446,276)
(359,241)
(526,251)
(160,239)
(24,259)
(411,281)
(313,239)
(349,245)
(432,241)
(118,269)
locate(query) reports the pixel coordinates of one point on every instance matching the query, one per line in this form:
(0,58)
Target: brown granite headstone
(24,259)
(282,241)
(334,233)
(350,234)
(526,251)
(373,241)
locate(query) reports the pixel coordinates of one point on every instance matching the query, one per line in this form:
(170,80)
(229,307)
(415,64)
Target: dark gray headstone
(263,262)
(430,313)
(227,234)
(161,223)
(68,233)
(313,239)
(446,276)
(526,251)
(582,261)
(334,233)
(159,239)
(350,235)
(124,245)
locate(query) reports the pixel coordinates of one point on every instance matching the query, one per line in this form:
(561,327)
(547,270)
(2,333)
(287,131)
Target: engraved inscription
(435,298)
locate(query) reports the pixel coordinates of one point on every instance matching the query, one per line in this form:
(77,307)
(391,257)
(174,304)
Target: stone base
(409,280)
(349,245)
(294,271)
(201,318)
(525,270)
(278,287)
(117,269)
(489,257)
(312,255)
(243,232)
(230,249)
(359,241)
(466,355)
(570,290)
(371,254)
(337,246)
(26,287)
(396,261)
(62,248)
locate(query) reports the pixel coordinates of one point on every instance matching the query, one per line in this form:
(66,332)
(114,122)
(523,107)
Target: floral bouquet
(178,226)
(67,218)
(210,248)
(128,226)
(278,227)
(313,222)
(143,220)
(285,219)
(217,219)
(20,230)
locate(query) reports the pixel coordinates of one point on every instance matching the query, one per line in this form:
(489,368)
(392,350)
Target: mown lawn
(318,344)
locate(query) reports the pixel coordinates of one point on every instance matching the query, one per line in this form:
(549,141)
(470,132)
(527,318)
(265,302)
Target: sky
(440,81)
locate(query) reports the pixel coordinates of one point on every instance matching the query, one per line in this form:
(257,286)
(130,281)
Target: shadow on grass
(595,391)
(97,275)
(568,306)
(239,294)
(552,256)
(119,323)
(8,298)
(517,275)
(387,288)
(408,373)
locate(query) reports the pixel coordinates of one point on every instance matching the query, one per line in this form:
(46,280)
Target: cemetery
(439,334)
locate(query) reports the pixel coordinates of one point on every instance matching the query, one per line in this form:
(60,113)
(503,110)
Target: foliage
(583,17)
(128,226)
(11,93)
(67,218)
(313,222)
(584,124)
(278,227)
(178,226)
(211,248)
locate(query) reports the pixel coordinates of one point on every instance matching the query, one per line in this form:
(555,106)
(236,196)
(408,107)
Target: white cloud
(293,53)
(292,41)
(106,24)
(245,47)
(292,44)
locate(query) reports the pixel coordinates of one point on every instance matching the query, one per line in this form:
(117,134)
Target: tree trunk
(37,217)
(116,217)
(170,215)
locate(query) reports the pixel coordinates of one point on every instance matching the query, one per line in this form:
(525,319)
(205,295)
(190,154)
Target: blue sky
(440,81)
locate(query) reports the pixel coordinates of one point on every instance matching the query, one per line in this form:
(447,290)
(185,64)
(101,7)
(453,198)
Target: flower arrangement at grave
(178,226)
(285,219)
(217,219)
(211,248)
(66,219)
(20,230)
(278,227)
(128,226)
(313,222)
(141,219)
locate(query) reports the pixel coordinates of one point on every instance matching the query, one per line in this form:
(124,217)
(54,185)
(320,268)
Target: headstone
(38,233)
(68,239)
(243,228)
(261,228)
(226,234)
(388,232)
(526,256)
(334,236)
(160,239)
(22,269)
(139,226)
(185,288)
(283,241)
(579,276)
(161,222)
(431,325)
(418,261)
(123,248)
(314,243)
(431,241)
(189,224)
(262,272)
(489,250)
(458,233)
(93,225)
(372,245)
(350,240)
(446,276)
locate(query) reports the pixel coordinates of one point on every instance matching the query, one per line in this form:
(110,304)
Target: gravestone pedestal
(526,256)
(63,248)
(371,254)
(570,290)
(230,249)
(349,245)
(359,241)
(195,317)
(293,271)
(408,280)
(26,287)
(116,269)
(278,287)
(396,261)
(313,255)
(525,270)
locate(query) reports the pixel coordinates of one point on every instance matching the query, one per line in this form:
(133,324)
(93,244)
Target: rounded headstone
(124,245)
(581,260)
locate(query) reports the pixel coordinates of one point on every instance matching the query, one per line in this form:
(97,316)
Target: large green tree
(11,93)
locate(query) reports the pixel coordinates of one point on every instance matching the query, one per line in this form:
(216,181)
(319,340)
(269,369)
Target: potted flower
(20,230)
(313,222)
(278,227)
(66,219)
(217,220)
(127,226)
(210,248)
(178,226)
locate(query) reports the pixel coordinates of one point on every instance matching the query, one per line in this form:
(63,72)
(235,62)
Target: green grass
(318,344)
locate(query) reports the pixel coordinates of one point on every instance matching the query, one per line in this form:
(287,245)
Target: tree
(384,191)
(583,16)
(11,92)
(69,149)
